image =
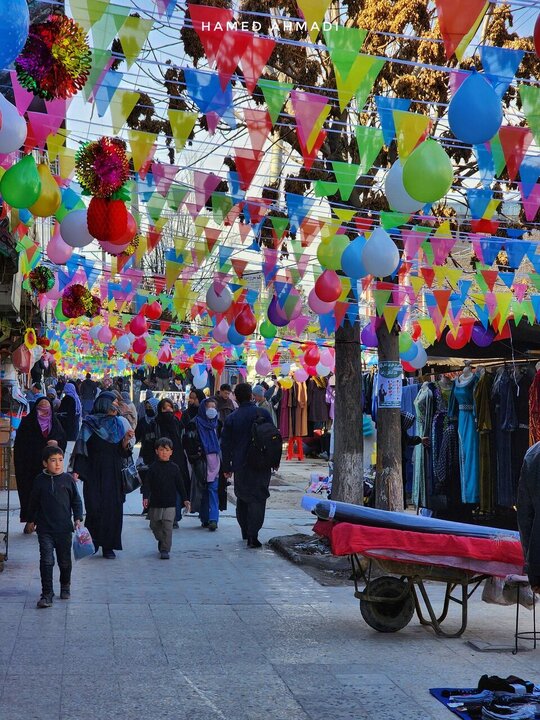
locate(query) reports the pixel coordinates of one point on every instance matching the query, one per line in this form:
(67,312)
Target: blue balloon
(234,337)
(14,21)
(475,111)
(351,260)
(410,353)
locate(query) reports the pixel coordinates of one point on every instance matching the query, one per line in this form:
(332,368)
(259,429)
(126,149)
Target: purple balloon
(275,314)
(369,337)
(481,336)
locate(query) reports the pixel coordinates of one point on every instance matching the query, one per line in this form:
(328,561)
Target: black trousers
(48,544)
(250,516)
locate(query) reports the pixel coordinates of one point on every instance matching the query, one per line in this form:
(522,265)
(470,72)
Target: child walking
(54,501)
(164,479)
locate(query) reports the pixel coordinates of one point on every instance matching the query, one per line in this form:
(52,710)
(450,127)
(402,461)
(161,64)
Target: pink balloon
(319,306)
(300,375)
(327,358)
(219,333)
(263,365)
(113,249)
(58,251)
(138,325)
(105,335)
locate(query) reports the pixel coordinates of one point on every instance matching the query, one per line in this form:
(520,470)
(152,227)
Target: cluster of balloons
(411,351)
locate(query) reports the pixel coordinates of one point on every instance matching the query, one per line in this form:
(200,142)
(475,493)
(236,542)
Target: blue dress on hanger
(469,458)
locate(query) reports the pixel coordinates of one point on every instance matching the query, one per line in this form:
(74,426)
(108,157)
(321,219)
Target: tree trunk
(388,479)
(348,479)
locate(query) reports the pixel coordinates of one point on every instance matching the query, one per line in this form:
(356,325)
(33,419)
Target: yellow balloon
(286,383)
(151,359)
(50,197)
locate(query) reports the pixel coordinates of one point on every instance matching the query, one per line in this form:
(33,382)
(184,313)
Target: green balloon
(268,330)
(405,341)
(20,186)
(58,314)
(428,173)
(329,253)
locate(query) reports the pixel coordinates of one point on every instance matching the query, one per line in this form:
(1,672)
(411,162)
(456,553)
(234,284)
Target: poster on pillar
(389,393)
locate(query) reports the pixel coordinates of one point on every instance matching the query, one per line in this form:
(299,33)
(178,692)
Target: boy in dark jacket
(53,502)
(163,480)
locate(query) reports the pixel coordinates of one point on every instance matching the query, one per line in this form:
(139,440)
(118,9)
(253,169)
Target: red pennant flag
(153,238)
(210,24)
(485,227)
(212,236)
(490,276)
(160,283)
(309,230)
(428,274)
(363,224)
(230,51)
(239,266)
(456,19)
(259,125)
(515,142)
(164,325)
(254,59)
(247,164)
(340,309)
(442,297)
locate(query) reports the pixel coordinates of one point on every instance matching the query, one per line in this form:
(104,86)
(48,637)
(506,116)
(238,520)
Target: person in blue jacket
(250,484)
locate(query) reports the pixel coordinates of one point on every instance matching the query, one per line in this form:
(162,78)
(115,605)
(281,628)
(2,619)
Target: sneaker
(164,555)
(65,593)
(45,601)
(212,525)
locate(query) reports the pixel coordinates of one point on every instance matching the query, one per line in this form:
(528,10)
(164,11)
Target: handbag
(130,476)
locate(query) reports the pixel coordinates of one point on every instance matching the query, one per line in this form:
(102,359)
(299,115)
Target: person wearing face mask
(195,398)
(201,443)
(104,440)
(38,429)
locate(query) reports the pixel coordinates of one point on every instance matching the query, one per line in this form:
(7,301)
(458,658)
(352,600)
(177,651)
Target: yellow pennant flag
(453,275)
(66,161)
(345,214)
(359,80)
(410,127)
(141,143)
(428,330)
(180,244)
(182,123)
(317,127)
(87,12)
(313,12)
(503,305)
(390,313)
(132,35)
(417,283)
(443,230)
(141,249)
(491,208)
(121,106)
(200,223)
(55,142)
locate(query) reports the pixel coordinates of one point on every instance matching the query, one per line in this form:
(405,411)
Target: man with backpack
(251,448)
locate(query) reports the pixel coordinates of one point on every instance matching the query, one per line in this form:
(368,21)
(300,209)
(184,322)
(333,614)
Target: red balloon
(245,322)
(138,325)
(537,36)
(457,342)
(165,354)
(198,358)
(311,371)
(407,366)
(328,286)
(312,355)
(153,311)
(139,345)
(218,362)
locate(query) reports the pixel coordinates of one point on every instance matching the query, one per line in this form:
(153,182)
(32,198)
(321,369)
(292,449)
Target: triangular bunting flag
(182,124)
(132,35)
(313,12)
(141,144)
(275,93)
(370,141)
(385,107)
(254,59)
(458,22)
(411,129)
(515,142)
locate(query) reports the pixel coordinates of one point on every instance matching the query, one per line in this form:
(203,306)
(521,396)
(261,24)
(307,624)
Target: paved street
(221,632)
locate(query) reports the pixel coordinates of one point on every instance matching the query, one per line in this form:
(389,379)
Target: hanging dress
(534,410)
(504,399)
(468,439)
(487,459)
(422,465)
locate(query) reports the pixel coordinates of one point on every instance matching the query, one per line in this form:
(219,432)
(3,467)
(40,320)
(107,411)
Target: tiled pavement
(220,632)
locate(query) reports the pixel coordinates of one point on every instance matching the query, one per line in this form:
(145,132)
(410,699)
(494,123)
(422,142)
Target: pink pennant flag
(244,229)
(477,247)
(299,324)
(302,264)
(164,176)
(491,303)
(531,203)
(192,209)
(441,248)
(212,120)
(259,125)
(42,125)
(307,109)
(23,98)
(412,240)
(520,290)
(205,184)
(456,80)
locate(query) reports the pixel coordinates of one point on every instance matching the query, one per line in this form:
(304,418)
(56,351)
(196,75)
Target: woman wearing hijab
(103,442)
(53,397)
(145,433)
(38,429)
(70,412)
(195,398)
(126,408)
(206,468)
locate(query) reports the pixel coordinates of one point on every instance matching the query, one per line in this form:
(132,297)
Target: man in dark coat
(528,514)
(250,484)
(89,391)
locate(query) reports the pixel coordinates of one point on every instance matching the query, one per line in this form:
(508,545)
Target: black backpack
(266,445)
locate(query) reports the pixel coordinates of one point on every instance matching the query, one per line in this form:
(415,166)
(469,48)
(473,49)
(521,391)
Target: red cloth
(499,557)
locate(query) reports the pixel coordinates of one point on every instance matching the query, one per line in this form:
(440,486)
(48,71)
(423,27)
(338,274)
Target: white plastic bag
(82,543)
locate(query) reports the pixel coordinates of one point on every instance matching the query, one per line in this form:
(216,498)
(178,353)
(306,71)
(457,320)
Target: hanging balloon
(275,313)
(329,253)
(312,355)
(13,126)
(536,36)
(123,344)
(263,366)
(428,172)
(201,381)
(380,255)
(219,333)
(285,368)
(457,341)
(154,310)
(286,382)
(475,111)
(420,360)
(138,325)
(94,331)
(139,345)
(300,375)
(151,359)
(322,370)
(105,335)
(218,362)
(113,249)
(218,299)
(328,357)
(368,336)
(21,185)
(15,22)
(74,229)
(405,341)
(234,337)
(317,305)
(410,353)
(481,336)
(351,260)
(267,330)
(328,286)
(50,196)
(398,198)
(245,322)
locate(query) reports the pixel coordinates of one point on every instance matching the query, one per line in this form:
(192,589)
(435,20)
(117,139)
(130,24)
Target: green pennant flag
(343,45)
(275,93)
(359,80)
(535,279)
(106,29)
(481,282)
(346,174)
(497,153)
(428,251)
(221,206)
(391,220)
(100,58)
(280,225)
(370,141)
(381,298)
(530,100)
(154,206)
(176,195)
(87,12)
(322,188)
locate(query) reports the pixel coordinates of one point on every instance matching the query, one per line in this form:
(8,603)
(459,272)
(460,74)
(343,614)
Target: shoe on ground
(212,525)
(45,601)
(175,525)
(109,554)
(65,593)
(254,542)
(164,555)
(205,524)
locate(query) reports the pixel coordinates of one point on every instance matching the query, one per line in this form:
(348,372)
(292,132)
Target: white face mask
(211,413)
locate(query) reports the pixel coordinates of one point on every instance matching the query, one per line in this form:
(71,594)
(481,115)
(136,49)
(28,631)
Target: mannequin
(467,372)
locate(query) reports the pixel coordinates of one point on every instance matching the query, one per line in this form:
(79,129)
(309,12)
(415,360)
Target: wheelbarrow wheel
(381,611)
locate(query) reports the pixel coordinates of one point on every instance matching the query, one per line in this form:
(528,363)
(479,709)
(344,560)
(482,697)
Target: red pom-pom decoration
(108,221)
(56,59)
(41,279)
(77,301)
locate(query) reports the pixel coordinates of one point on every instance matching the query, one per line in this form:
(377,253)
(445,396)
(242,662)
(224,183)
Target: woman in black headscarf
(38,429)
(196,397)
(103,442)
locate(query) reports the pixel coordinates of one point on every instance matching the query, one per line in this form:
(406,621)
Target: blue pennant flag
(105,92)
(385,108)
(500,65)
